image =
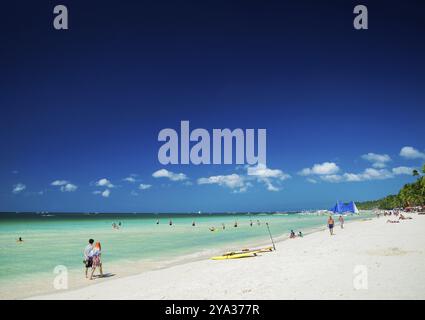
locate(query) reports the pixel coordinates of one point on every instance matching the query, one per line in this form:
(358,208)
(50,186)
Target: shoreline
(318,266)
(149,265)
(187,260)
(144,247)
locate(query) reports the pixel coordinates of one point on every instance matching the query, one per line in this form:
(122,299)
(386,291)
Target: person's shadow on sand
(105,275)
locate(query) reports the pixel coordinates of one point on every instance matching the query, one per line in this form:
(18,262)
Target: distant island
(412,194)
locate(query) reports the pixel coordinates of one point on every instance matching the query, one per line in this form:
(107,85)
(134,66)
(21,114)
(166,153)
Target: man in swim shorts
(331,223)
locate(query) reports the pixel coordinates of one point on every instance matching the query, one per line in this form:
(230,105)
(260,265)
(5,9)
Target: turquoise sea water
(59,239)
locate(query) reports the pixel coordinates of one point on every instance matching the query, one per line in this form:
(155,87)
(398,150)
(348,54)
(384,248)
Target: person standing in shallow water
(331,223)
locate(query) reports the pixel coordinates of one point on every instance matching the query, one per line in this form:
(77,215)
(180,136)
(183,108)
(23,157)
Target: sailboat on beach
(344,208)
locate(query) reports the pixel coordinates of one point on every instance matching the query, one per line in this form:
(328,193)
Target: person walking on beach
(341,221)
(88,260)
(96,260)
(331,223)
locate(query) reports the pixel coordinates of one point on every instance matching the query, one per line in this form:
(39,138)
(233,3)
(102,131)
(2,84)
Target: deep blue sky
(88,103)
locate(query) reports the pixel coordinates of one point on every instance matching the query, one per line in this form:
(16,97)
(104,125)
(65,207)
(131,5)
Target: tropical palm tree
(412,194)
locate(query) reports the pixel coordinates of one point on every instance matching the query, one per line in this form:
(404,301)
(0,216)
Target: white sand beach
(318,266)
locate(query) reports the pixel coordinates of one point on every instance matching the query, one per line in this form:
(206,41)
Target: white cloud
(267,176)
(164,173)
(271,178)
(244,188)
(130,179)
(144,186)
(69,187)
(411,153)
(106,193)
(373,174)
(331,178)
(232,181)
(325,168)
(18,188)
(352,177)
(65,186)
(328,171)
(368,174)
(104,183)
(377,160)
(379,165)
(261,171)
(59,183)
(402,170)
(270,186)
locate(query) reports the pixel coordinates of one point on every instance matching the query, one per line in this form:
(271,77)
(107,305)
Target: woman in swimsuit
(96,262)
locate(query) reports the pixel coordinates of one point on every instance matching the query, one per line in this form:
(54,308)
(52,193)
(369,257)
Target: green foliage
(412,194)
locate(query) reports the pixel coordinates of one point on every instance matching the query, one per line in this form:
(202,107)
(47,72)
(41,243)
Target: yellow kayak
(267,249)
(235,255)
